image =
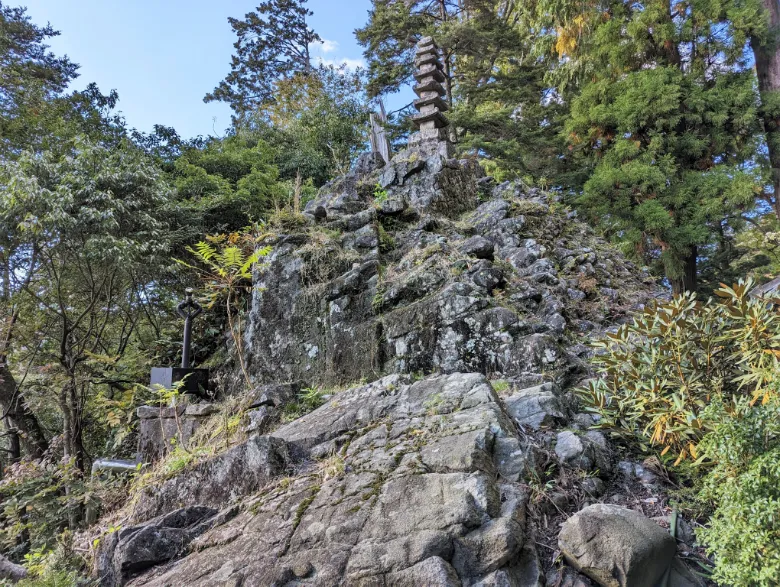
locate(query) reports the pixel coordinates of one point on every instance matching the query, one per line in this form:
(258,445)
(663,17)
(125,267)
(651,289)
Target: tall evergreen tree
(31,77)
(389,37)
(766,49)
(666,119)
(273,44)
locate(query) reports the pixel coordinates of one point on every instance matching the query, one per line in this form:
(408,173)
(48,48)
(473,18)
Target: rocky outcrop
(462,306)
(424,265)
(408,489)
(129,551)
(235,473)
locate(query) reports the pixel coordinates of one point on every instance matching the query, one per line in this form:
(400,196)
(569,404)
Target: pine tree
(273,44)
(666,119)
(31,77)
(389,37)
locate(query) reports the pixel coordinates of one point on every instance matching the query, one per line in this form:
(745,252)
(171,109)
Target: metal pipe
(185,354)
(117,465)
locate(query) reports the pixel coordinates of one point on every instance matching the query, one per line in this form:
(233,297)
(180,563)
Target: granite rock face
(411,493)
(215,482)
(424,265)
(129,551)
(463,308)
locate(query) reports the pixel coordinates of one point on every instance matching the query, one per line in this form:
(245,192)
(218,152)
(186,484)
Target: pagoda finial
(431,104)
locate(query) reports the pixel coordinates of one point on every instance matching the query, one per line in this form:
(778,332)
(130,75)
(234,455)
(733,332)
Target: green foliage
(500,385)
(389,38)
(308,400)
(30,77)
(51,579)
(743,488)
(700,379)
(227,262)
(225,266)
(666,122)
(226,184)
(39,500)
(36,113)
(501,105)
(386,241)
(380,194)
(84,238)
(316,125)
(273,44)
(660,372)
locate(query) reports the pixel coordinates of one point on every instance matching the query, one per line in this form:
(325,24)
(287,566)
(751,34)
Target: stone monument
(379,141)
(431,103)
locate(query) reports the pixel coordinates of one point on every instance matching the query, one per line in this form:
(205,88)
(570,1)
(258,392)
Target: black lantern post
(196,381)
(188,310)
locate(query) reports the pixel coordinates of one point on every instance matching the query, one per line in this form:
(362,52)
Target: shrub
(743,486)
(226,263)
(380,194)
(662,370)
(701,379)
(308,400)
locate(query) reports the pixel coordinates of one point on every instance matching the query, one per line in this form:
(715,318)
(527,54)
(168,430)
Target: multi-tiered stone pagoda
(430,120)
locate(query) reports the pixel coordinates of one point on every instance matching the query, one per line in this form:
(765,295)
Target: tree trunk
(687,281)
(72,443)
(71,423)
(20,416)
(15,448)
(767,55)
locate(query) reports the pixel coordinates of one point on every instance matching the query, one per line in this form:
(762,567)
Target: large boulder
(616,547)
(216,481)
(11,572)
(130,551)
(535,407)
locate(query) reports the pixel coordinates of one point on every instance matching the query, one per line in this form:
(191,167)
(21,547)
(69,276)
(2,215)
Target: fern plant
(225,263)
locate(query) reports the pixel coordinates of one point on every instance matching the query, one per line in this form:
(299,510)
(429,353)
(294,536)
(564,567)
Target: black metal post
(188,310)
(185,353)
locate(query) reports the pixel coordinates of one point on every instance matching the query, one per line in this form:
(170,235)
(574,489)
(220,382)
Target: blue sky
(163,56)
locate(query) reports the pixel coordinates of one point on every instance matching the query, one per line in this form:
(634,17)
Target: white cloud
(338,62)
(324,46)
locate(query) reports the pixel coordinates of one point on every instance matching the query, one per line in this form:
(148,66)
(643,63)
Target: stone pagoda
(430,120)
